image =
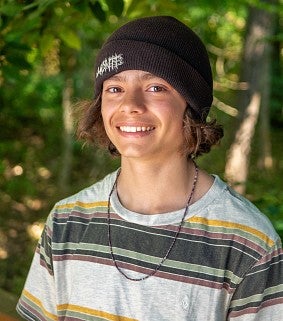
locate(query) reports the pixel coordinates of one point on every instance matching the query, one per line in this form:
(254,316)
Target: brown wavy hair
(200,136)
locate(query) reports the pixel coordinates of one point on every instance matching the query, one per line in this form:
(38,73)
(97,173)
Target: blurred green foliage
(46,42)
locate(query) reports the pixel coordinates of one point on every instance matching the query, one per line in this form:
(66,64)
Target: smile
(132,129)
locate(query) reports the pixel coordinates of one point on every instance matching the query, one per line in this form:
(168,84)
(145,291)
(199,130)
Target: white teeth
(132,129)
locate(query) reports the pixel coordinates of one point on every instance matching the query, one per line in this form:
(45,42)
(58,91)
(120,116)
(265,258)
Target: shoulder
(90,197)
(235,214)
(242,210)
(71,216)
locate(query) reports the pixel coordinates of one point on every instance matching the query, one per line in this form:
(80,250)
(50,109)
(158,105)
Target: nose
(132,102)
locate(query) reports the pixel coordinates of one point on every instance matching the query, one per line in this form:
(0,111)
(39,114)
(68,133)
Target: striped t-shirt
(226,264)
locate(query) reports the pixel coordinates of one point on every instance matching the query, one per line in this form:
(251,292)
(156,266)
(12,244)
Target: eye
(156,88)
(113,90)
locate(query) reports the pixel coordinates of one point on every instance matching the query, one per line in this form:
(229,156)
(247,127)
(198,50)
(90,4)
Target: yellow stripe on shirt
(232,225)
(39,304)
(83,205)
(96,313)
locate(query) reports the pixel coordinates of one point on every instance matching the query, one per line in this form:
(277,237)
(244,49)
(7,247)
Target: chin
(132,154)
(131,150)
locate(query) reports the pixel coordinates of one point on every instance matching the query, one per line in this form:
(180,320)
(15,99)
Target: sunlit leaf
(70,38)
(46,43)
(136,8)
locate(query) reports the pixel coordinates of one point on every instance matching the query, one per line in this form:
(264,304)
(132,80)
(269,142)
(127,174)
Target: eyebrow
(148,76)
(116,77)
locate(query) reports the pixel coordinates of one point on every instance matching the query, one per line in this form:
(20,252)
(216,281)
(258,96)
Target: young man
(159,239)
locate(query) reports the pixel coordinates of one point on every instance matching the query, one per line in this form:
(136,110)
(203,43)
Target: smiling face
(143,115)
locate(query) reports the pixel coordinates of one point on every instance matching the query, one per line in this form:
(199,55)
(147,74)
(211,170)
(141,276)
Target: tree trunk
(265,160)
(236,170)
(67,154)
(256,70)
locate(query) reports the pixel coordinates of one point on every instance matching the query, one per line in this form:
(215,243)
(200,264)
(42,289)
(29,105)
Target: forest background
(48,49)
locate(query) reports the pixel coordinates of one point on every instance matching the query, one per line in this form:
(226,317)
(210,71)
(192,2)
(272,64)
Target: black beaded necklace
(173,242)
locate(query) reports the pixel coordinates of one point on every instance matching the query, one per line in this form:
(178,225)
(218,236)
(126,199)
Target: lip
(134,124)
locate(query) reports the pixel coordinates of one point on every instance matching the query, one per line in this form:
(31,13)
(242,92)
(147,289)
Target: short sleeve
(38,298)
(259,297)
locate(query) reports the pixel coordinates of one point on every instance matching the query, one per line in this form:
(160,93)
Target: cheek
(103,112)
(106,114)
(176,121)
(174,115)
(108,109)
(106,122)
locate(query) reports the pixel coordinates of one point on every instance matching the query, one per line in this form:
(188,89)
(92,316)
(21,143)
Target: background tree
(255,100)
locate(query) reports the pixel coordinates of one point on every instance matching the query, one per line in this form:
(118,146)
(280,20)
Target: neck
(155,188)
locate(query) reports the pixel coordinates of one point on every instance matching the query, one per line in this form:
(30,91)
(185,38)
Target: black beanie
(165,47)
